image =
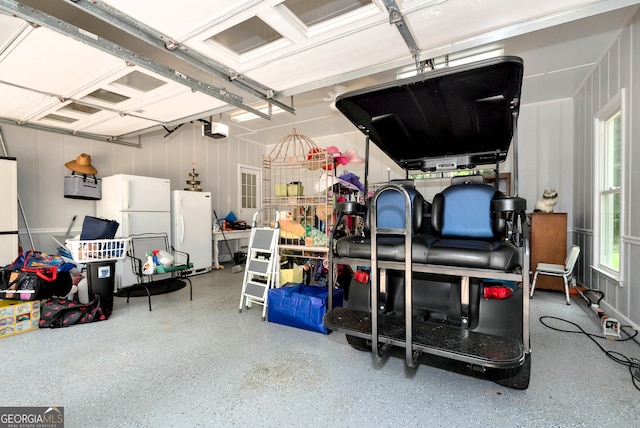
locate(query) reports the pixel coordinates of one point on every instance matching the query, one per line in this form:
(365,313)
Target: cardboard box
(18,317)
(291,275)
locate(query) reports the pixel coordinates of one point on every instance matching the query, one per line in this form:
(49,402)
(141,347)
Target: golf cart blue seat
(468,229)
(390,214)
(464,227)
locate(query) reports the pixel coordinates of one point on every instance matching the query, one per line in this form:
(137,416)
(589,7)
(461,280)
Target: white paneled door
(250,189)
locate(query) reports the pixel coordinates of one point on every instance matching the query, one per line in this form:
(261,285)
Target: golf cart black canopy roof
(451,118)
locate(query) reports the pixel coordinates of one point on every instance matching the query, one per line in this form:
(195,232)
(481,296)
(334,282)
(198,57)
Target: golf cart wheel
(515,378)
(358,343)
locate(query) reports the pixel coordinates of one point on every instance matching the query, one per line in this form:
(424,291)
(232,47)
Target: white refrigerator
(191,227)
(9,212)
(141,205)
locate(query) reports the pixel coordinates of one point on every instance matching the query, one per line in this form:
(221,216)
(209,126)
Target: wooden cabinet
(504,185)
(548,245)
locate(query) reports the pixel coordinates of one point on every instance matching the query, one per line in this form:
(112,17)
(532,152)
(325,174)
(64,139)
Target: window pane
(249,190)
(610,231)
(251,194)
(312,12)
(247,35)
(80,108)
(59,118)
(613,145)
(140,81)
(107,96)
(610,189)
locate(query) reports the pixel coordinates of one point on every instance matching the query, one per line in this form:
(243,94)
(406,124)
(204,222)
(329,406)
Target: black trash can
(101,280)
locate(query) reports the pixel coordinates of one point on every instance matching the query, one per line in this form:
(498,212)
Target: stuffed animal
(548,201)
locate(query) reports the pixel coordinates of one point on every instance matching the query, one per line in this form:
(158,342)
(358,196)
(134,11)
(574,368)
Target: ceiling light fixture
(244,117)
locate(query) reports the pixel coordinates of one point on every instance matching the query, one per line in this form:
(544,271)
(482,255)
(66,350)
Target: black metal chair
(181,267)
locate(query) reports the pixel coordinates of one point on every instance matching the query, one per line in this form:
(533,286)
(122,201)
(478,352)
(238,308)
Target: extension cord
(610,326)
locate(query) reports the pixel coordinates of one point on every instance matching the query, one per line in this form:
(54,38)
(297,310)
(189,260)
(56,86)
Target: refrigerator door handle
(126,195)
(182,227)
(126,223)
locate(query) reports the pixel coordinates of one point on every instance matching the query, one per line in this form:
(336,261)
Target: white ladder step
(261,269)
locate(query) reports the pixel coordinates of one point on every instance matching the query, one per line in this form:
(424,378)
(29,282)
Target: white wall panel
(528,153)
(41,157)
(633,153)
(583,174)
(633,255)
(545,152)
(614,72)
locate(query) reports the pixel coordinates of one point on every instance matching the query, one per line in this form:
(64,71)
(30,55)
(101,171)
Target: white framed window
(609,187)
(250,191)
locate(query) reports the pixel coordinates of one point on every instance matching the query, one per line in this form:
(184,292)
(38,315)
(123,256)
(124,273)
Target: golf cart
(450,276)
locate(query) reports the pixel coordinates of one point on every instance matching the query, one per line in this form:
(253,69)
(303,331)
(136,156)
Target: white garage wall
(41,157)
(618,69)
(546,153)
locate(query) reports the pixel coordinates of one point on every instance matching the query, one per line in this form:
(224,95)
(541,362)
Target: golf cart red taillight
(362,276)
(497,291)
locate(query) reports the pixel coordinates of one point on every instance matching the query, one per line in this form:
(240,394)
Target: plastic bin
(98,249)
(295,189)
(100,280)
(100,256)
(281,189)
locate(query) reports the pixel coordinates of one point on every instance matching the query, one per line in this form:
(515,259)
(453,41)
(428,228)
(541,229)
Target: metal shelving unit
(297,182)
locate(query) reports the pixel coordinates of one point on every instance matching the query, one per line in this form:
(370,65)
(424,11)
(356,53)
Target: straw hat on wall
(82,164)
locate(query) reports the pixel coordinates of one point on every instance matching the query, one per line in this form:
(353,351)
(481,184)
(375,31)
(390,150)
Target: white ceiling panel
(372,46)
(19,103)
(116,125)
(558,58)
(536,51)
(457,25)
(181,19)
(457,20)
(591,46)
(559,41)
(10,28)
(48,61)
(296,37)
(181,103)
(562,83)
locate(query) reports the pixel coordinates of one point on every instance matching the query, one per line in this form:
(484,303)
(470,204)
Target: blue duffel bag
(301,306)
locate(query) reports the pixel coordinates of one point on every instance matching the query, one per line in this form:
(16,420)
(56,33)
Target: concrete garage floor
(201,363)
